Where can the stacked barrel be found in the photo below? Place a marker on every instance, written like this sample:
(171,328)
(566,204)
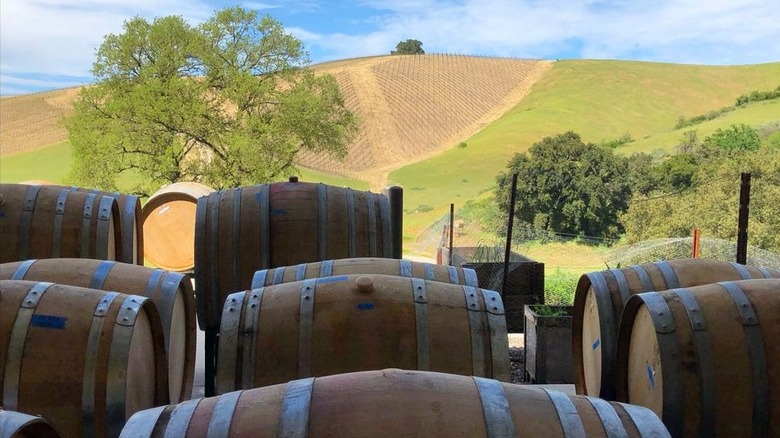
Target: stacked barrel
(87,336)
(696,341)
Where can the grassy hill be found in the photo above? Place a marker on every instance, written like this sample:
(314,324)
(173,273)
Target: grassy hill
(444,126)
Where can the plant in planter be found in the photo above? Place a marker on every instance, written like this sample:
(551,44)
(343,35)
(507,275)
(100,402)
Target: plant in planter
(548,355)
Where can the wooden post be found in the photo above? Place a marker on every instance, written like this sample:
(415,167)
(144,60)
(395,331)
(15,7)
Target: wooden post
(396,196)
(508,249)
(452,221)
(210,368)
(744,214)
(696,242)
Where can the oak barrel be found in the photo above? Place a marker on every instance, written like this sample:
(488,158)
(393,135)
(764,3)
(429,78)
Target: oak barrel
(18,425)
(341,324)
(168,219)
(84,359)
(599,301)
(397,403)
(365,265)
(171,293)
(706,359)
(50,222)
(240,231)
(131,245)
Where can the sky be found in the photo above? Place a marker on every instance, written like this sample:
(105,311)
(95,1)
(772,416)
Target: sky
(50,44)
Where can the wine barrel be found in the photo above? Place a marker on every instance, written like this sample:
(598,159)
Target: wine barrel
(706,359)
(84,359)
(362,322)
(170,292)
(18,425)
(396,403)
(50,222)
(131,245)
(599,301)
(240,231)
(365,265)
(168,219)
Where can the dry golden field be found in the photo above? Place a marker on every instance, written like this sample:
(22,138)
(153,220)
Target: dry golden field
(410,108)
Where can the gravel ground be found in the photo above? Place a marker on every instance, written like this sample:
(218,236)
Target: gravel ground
(517,364)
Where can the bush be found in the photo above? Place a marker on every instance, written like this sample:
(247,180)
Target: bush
(559,288)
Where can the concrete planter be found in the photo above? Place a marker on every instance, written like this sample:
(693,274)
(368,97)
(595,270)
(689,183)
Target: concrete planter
(548,352)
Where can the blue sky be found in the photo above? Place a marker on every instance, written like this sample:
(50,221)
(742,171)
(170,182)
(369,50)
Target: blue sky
(47,44)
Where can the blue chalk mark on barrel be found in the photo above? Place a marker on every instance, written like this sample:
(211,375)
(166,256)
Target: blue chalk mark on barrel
(278,212)
(597,343)
(322,280)
(48,321)
(365,306)
(651,376)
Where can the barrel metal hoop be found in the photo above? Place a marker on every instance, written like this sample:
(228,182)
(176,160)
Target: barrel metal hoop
(222,416)
(470,277)
(420,297)
(300,272)
(201,287)
(670,277)
(765,272)
(142,423)
(609,418)
(665,328)
(497,330)
(352,223)
(567,414)
(116,383)
(453,272)
(229,339)
(405,268)
(296,405)
(306,325)
(99,277)
(646,421)
(755,343)
(25,222)
(622,282)
(88,391)
(326,268)
(495,408)
(474,311)
(387,238)
(322,221)
(742,270)
(86,226)
(644,278)
(16,344)
(166,301)
(214,291)
(371,224)
(21,270)
(251,332)
(258,280)
(236,239)
(430,272)
(705,359)
(180,419)
(104,218)
(608,326)
(264,199)
(129,227)
(59,215)
(279,275)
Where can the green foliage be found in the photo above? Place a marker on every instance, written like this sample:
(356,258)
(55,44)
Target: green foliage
(227,103)
(757,96)
(675,173)
(408,47)
(550,310)
(463,145)
(753,96)
(735,138)
(559,288)
(616,143)
(567,186)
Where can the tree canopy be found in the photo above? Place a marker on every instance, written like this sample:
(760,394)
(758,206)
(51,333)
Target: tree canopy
(567,186)
(408,47)
(228,102)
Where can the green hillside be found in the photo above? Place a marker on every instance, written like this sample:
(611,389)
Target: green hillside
(601,100)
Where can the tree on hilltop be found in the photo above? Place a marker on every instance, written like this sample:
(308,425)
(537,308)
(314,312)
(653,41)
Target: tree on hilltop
(227,103)
(567,186)
(408,47)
